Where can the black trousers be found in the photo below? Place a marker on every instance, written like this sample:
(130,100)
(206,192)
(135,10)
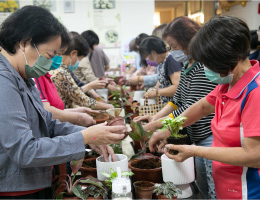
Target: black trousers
(43,194)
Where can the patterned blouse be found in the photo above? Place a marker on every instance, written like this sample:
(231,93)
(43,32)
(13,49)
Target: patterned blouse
(71,95)
(84,71)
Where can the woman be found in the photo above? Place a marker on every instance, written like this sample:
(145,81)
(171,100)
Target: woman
(193,86)
(71,94)
(154,49)
(235,127)
(98,59)
(31,141)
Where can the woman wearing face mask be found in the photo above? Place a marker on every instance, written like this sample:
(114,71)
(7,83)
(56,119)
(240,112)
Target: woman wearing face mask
(31,141)
(235,127)
(193,86)
(154,49)
(53,103)
(71,94)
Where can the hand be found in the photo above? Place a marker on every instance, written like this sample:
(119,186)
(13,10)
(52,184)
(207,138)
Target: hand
(122,81)
(158,140)
(185,151)
(103,135)
(153,126)
(85,120)
(84,110)
(97,84)
(143,118)
(151,94)
(133,80)
(105,151)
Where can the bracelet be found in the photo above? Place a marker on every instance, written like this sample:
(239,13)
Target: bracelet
(138,79)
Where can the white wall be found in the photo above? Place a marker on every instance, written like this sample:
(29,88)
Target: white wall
(248,13)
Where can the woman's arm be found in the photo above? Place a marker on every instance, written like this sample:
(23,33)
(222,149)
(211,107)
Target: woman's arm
(247,156)
(81,119)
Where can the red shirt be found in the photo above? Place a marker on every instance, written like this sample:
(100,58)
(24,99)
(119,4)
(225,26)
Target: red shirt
(48,91)
(229,127)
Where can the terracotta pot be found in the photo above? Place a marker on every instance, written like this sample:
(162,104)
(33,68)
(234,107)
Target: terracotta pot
(152,175)
(89,171)
(104,117)
(118,121)
(143,189)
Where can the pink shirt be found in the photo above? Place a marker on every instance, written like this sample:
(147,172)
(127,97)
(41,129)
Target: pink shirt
(48,91)
(229,128)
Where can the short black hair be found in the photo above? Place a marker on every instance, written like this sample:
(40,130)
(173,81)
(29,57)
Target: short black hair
(31,23)
(91,37)
(140,38)
(152,43)
(221,43)
(79,44)
(182,29)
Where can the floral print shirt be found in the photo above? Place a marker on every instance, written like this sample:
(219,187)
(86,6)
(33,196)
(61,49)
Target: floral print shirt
(71,95)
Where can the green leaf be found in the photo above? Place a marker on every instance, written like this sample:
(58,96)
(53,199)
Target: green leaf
(60,195)
(134,136)
(77,191)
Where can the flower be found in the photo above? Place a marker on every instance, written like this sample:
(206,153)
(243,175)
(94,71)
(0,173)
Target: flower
(103,6)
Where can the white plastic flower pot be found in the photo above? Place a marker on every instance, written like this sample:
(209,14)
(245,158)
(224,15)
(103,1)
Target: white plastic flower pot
(138,95)
(103,93)
(178,172)
(150,101)
(102,166)
(186,191)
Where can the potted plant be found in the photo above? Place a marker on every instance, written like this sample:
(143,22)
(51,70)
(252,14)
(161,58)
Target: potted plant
(167,190)
(72,186)
(93,189)
(113,175)
(143,189)
(174,125)
(102,166)
(144,165)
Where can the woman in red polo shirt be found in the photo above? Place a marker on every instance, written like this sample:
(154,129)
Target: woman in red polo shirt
(223,45)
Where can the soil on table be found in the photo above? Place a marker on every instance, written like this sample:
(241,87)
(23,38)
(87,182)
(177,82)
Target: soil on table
(89,164)
(152,163)
(143,184)
(176,141)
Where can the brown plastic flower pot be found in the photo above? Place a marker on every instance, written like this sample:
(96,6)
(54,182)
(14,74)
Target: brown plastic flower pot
(144,189)
(118,121)
(100,117)
(152,175)
(88,171)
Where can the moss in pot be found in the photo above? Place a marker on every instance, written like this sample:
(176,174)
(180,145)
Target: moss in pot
(174,125)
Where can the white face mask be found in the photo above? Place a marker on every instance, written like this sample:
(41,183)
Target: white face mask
(179,55)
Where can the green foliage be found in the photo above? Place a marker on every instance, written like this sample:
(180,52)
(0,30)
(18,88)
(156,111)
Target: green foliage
(113,175)
(174,125)
(139,134)
(167,189)
(94,188)
(117,148)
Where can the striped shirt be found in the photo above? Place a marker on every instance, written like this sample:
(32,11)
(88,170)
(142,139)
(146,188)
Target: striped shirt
(193,86)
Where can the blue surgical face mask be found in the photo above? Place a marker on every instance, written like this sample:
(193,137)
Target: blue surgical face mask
(179,55)
(56,62)
(73,67)
(216,78)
